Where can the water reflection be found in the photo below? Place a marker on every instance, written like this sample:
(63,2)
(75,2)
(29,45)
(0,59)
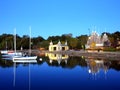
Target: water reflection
(60,60)
(57,57)
(29,72)
(97,66)
(46,71)
(94,66)
(65,61)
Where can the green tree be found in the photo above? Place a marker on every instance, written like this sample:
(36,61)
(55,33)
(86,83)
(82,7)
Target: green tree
(73,42)
(44,44)
(36,41)
(25,42)
(54,38)
(82,40)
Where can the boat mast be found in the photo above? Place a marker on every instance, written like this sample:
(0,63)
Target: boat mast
(6,45)
(30,42)
(15,40)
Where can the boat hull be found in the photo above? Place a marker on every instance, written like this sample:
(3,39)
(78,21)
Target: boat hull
(25,59)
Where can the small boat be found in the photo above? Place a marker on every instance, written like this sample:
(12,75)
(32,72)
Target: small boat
(11,53)
(25,59)
(8,55)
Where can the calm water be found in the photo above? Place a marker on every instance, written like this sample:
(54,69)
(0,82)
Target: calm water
(60,72)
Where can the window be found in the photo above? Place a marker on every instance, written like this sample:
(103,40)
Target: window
(54,48)
(63,48)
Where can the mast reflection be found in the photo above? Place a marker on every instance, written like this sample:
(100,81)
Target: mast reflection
(29,70)
(94,66)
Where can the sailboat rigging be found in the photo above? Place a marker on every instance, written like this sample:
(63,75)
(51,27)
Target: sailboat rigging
(26,58)
(10,54)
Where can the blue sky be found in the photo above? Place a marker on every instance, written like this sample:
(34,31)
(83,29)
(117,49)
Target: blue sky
(57,17)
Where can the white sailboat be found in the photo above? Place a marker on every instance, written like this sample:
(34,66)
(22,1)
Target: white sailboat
(9,54)
(26,58)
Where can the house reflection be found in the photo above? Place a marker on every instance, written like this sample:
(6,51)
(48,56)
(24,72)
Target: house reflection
(57,57)
(95,66)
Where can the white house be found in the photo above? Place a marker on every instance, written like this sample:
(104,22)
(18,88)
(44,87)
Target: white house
(58,46)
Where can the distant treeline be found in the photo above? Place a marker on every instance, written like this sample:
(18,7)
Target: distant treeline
(78,42)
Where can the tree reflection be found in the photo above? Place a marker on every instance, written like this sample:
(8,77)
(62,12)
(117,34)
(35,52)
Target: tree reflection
(115,65)
(6,63)
(65,61)
(60,60)
(94,65)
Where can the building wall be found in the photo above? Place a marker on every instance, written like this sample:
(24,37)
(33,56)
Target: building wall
(95,41)
(58,47)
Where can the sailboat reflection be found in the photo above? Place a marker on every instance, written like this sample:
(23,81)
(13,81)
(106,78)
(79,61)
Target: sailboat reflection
(14,73)
(29,71)
(57,57)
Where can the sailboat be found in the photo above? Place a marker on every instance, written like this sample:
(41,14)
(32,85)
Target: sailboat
(26,58)
(9,54)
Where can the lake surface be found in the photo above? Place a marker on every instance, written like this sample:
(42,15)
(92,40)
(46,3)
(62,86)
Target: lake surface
(60,72)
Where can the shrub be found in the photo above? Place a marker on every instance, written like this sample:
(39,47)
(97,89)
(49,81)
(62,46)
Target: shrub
(109,49)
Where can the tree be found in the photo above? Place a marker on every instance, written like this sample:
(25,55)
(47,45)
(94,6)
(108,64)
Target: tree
(36,41)
(54,38)
(25,42)
(73,43)
(44,44)
(82,40)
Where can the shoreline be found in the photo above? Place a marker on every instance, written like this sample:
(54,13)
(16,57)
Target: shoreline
(85,54)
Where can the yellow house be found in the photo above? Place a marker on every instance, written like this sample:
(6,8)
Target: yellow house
(57,57)
(58,46)
(53,56)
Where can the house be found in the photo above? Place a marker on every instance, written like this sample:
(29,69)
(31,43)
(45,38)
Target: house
(58,47)
(96,42)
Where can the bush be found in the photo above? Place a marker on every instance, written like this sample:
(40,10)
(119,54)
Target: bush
(109,49)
